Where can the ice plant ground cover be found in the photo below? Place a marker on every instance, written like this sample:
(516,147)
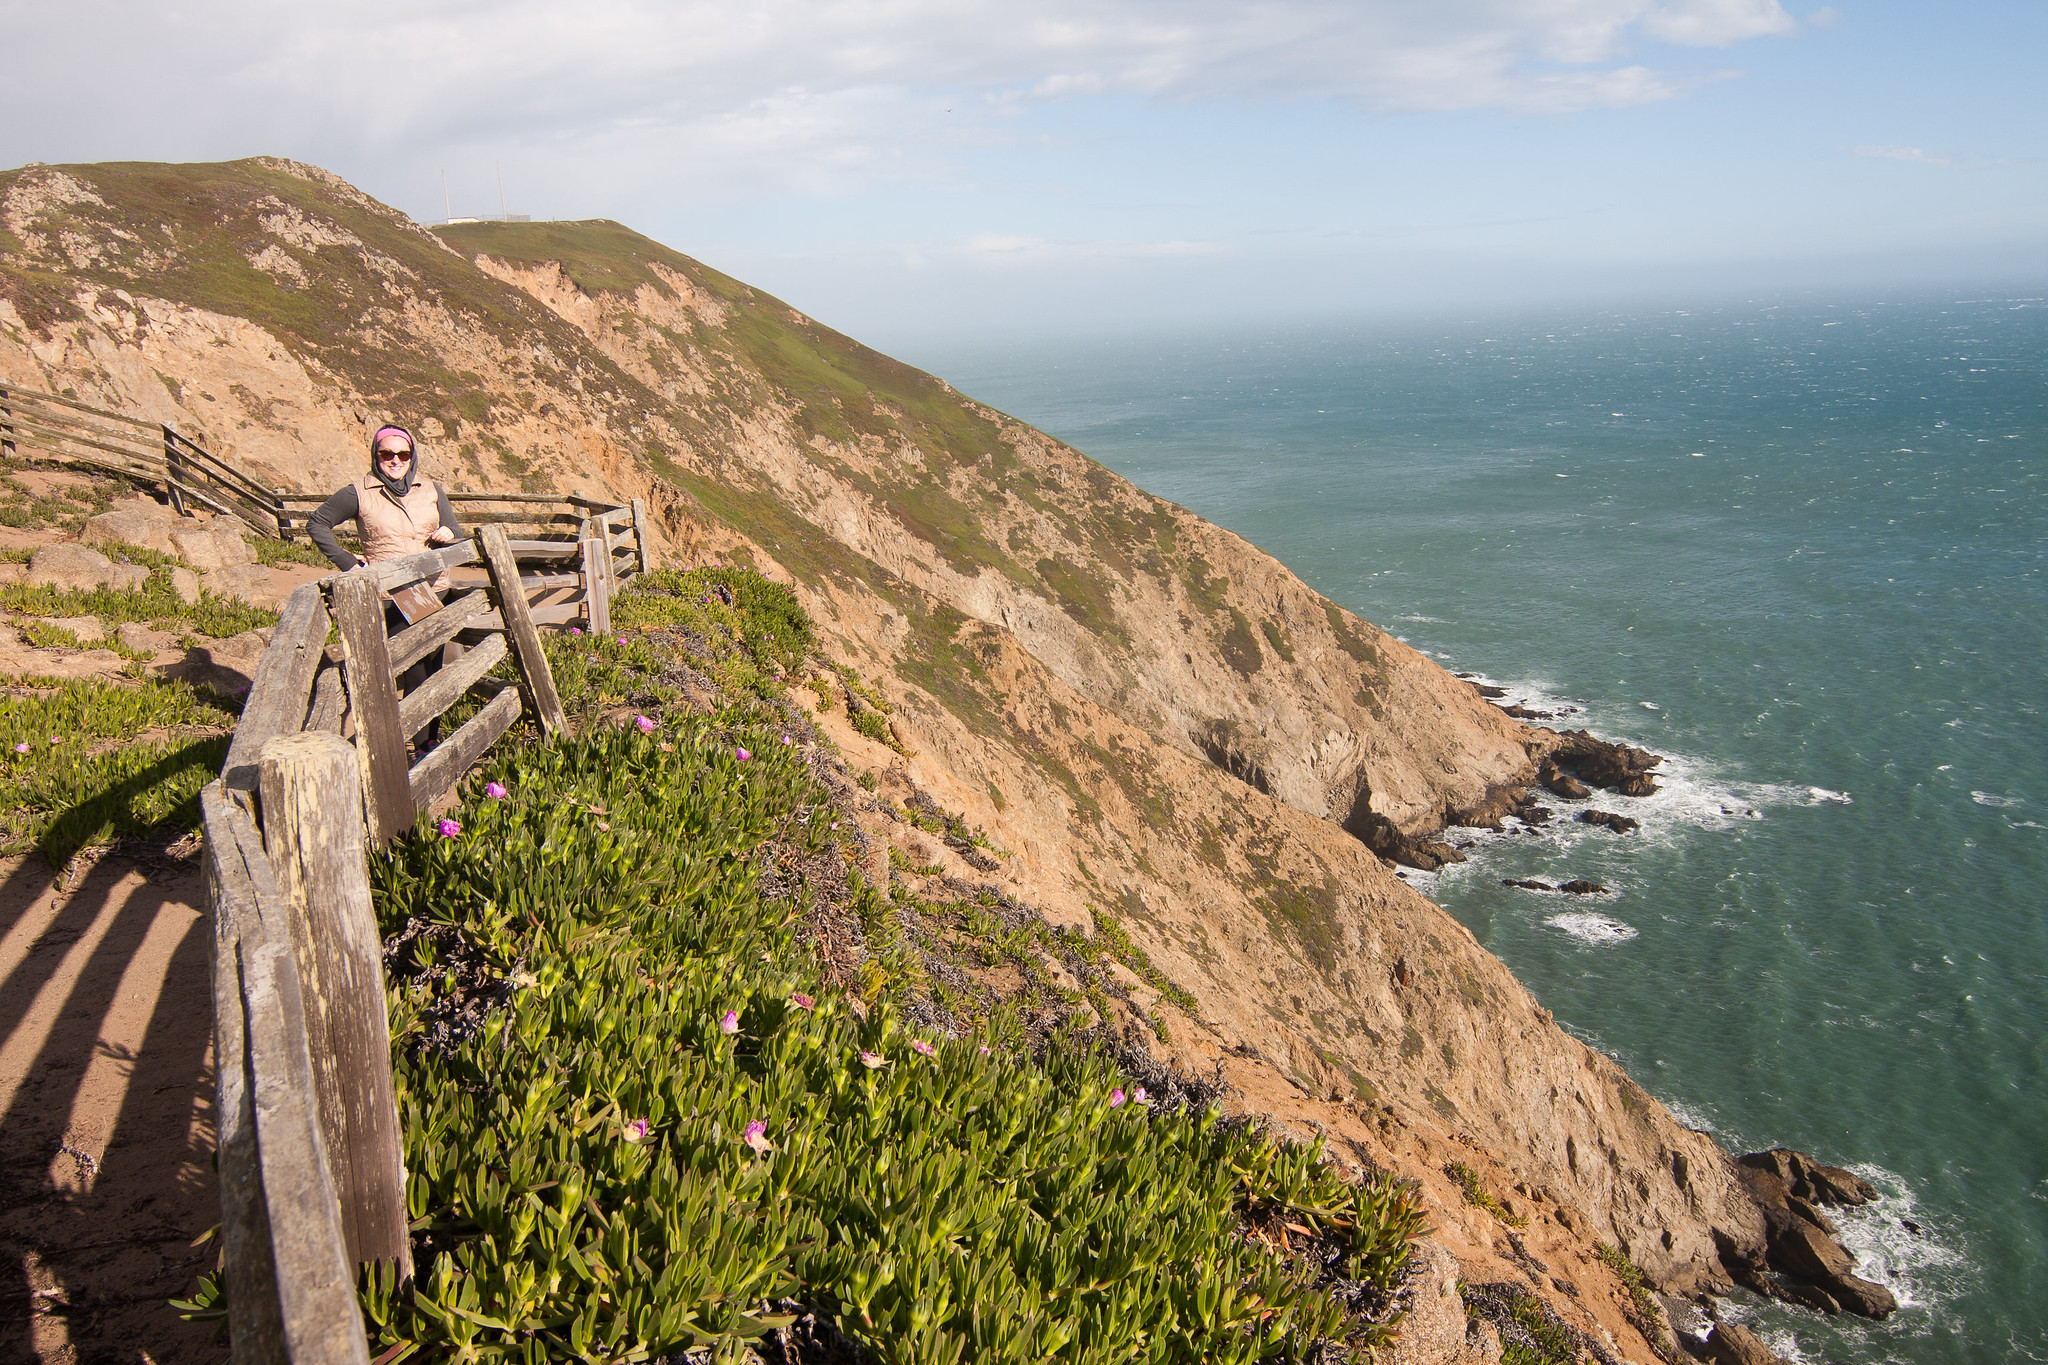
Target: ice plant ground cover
(87,762)
(638,1118)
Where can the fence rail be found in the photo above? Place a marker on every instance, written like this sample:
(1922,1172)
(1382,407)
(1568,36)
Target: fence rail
(310,1153)
(159,456)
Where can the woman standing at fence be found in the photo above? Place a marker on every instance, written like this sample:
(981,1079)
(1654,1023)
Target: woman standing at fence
(399,513)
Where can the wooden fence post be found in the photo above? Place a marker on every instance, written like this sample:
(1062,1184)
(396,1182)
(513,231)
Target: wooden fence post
(373,699)
(639,535)
(174,472)
(313,832)
(6,426)
(597,588)
(519,628)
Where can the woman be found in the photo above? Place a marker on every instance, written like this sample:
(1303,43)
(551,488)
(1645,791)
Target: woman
(399,513)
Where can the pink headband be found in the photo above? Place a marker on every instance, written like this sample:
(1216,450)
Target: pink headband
(382,432)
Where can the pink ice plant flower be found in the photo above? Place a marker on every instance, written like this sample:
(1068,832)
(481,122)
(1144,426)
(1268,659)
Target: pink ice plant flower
(645,725)
(622,639)
(871,1060)
(575,630)
(802,1001)
(22,747)
(729,1022)
(787,740)
(742,755)
(1116,1097)
(756,1137)
(634,1131)
(1138,1095)
(921,1047)
(496,791)
(449,829)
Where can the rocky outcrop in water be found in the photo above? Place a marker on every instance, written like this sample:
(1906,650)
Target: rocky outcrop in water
(1620,824)
(1802,1261)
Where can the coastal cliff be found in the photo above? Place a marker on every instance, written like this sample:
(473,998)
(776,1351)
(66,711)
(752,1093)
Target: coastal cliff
(1155,720)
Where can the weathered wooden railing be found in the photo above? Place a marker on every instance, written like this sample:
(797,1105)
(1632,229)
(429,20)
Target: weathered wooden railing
(310,1148)
(154,454)
(158,455)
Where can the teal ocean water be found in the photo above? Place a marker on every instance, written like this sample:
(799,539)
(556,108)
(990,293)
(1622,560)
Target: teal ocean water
(1798,547)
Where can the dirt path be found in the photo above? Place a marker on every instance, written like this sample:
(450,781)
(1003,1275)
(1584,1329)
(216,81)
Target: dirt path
(106,1123)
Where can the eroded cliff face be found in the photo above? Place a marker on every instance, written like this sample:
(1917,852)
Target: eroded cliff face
(1153,716)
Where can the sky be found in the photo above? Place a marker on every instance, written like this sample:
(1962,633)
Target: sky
(911,168)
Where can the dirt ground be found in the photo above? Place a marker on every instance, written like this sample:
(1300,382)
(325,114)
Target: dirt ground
(106,1113)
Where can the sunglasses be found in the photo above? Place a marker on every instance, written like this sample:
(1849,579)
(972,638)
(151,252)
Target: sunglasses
(400,455)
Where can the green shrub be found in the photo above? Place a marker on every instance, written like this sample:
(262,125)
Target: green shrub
(636,1116)
(1477,1196)
(156,602)
(71,793)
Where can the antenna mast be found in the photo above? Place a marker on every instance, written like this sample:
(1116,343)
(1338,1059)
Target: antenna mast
(446,202)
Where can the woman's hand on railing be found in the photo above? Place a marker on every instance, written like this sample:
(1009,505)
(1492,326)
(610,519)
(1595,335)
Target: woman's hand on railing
(441,536)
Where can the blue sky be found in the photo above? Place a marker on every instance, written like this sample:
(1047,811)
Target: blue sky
(902,168)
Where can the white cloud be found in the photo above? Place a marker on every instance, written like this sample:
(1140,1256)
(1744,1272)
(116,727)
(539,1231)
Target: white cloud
(1913,154)
(1716,23)
(829,91)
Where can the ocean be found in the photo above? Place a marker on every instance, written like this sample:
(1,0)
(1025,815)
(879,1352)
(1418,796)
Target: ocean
(1796,545)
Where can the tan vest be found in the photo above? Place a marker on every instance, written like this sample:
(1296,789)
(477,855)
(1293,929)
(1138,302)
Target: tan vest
(394,528)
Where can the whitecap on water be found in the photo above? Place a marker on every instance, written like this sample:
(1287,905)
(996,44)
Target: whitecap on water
(1821,795)
(1591,928)
(1993,799)
(1889,1252)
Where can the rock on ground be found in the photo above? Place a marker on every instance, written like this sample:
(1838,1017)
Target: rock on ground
(79,568)
(87,628)
(249,582)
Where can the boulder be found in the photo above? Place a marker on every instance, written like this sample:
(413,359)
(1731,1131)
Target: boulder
(1862,1297)
(1807,1296)
(1527,884)
(1804,1250)
(149,527)
(1833,1185)
(1638,784)
(1431,856)
(1732,1344)
(1579,886)
(250,582)
(187,584)
(1535,815)
(216,545)
(1564,784)
(140,639)
(1496,806)
(227,666)
(1521,712)
(1811,1213)
(79,568)
(1601,763)
(1809,1179)
(1620,824)
(1487,689)
(87,628)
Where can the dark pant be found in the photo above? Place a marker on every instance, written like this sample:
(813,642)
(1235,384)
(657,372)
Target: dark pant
(412,678)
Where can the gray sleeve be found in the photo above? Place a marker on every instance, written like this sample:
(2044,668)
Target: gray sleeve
(337,509)
(447,512)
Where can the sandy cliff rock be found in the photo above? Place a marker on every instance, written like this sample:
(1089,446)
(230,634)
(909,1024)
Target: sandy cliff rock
(1153,716)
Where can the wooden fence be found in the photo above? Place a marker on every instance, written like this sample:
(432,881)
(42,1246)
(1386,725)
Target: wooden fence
(154,454)
(310,1147)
